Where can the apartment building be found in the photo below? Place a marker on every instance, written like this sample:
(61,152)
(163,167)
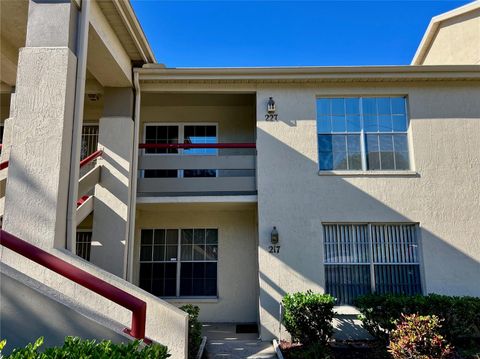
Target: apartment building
(229,187)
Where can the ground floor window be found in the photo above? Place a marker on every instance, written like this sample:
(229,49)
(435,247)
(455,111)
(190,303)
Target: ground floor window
(366,258)
(84,244)
(179,262)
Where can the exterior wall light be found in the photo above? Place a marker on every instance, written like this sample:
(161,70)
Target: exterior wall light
(271,105)
(274,236)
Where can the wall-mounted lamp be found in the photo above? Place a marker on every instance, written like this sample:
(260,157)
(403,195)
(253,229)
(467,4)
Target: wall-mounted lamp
(274,236)
(271,105)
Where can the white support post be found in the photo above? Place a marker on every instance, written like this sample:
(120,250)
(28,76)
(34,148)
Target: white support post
(39,163)
(113,193)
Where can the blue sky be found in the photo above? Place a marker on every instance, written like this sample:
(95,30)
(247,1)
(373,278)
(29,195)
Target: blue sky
(286,33)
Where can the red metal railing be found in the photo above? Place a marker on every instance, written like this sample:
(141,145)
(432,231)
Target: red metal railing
(196,145)
(90,158)
(83,162)
(83,278)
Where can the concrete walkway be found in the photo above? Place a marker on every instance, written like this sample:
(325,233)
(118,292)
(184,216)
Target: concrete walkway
(224,342)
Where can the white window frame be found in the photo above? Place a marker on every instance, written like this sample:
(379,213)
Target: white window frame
(363,134)
(181,139)
(179,260)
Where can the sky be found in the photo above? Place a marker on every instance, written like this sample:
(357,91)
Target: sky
(286,33)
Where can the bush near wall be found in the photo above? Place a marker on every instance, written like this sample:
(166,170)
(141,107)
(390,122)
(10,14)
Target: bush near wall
(308,317)
(194,329)
(460,315)
(75,348)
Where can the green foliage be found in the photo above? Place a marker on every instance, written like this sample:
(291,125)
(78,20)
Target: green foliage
(312,351)
(76,348)
(461,315)
(417,336)
(308,317)
(194,329)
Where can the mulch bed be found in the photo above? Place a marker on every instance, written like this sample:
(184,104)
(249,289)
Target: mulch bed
(343,350)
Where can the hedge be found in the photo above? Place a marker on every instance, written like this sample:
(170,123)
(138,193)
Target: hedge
(194,329)
(74,348)
(461,315)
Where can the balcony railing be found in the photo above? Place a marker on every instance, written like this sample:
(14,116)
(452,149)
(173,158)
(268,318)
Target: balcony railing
(173,174)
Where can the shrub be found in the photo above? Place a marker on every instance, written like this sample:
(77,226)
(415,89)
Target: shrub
(417,336)
(312,351)
(461,315)
(75,347)
(194,329)
(308,317)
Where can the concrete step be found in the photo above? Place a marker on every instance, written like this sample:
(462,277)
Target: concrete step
(224,342)
(237,349)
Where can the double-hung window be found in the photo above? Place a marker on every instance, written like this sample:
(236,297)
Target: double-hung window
(185,134)
(179,262)
(371,258)
(362,133)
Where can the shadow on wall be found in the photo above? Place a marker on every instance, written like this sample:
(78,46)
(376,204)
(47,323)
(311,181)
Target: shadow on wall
(17,200)
(293,197)
(28,314)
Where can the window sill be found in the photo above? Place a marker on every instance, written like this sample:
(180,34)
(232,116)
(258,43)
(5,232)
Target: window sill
(192,300)
(346,310)
(370,173)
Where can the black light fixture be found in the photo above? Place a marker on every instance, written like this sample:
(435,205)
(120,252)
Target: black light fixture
(271,105)
(274,236)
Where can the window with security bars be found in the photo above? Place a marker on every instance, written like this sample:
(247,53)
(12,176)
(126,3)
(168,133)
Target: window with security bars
(179,262)
(362,133)
(371,258)
(84,244)
(88,146)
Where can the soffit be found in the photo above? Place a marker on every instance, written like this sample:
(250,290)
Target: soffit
(115,21)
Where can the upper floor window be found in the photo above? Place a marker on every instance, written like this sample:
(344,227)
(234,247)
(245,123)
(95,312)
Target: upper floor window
(181,133)
(362,133)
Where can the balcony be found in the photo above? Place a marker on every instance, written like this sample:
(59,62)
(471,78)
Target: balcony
(223,169)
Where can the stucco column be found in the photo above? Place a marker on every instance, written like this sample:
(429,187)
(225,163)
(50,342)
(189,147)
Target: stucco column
(39,163)
(112,195)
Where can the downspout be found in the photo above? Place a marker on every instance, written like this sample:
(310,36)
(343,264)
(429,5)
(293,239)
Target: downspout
(82,49)
(134,177)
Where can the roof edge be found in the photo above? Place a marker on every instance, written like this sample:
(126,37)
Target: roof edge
(125,9)
(432,28)
(330,73)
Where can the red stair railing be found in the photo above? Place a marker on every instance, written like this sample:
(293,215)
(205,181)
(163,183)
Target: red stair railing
(90,158)
(83,162)
(83,278)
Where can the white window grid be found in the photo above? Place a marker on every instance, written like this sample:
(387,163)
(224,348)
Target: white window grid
(362,133)
(178,259)
(181,139)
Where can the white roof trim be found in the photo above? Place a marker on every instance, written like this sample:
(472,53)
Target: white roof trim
(433,27)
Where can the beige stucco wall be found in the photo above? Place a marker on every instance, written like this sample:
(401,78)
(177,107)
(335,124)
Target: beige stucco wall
(236,121)
(237,248)
(456,41)
(444,197)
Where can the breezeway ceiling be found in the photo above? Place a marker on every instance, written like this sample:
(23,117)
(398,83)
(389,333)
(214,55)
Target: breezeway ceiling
(13,25)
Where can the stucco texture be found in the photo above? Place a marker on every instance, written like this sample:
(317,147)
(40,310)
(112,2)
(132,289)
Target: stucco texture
(443,196)
(237,259)
(456,41)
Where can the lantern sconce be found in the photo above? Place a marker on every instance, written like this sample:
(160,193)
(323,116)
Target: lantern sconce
(271,105)
(274,236)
